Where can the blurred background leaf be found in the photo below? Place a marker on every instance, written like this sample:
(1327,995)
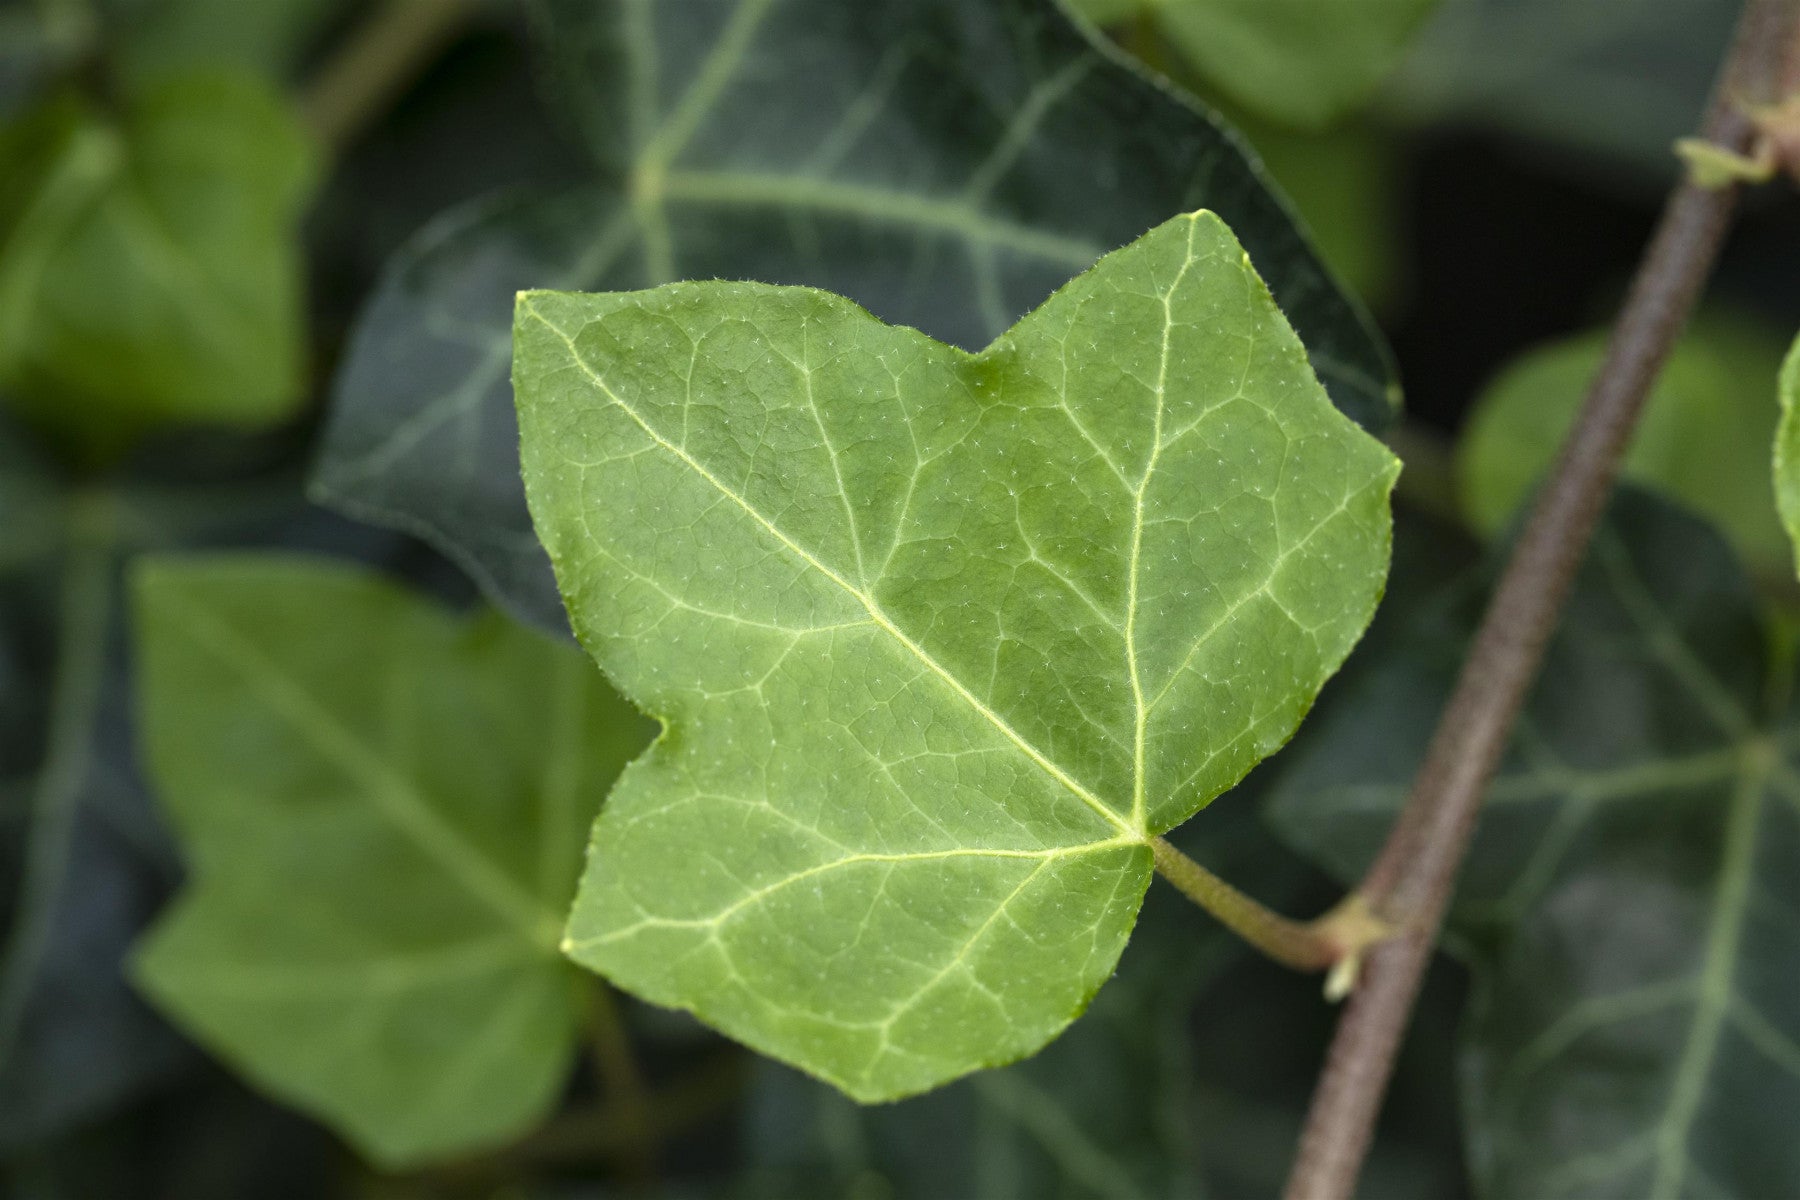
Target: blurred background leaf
(1304,64)
(385,833)
(946,165)
(1610,81)
(1703,440)
(1631,896)
(149,267)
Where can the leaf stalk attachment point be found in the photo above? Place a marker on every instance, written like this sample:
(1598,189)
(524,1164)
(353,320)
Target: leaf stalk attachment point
(1334,942)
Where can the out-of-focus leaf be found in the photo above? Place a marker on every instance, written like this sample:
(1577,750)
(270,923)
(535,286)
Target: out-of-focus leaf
(1703,440)
(82,859)
(1344,183)
(154,37)
(148,266)
(83,855)
(383,807)
(1610,78)
(945,164)
(1787,447)
(942,640)
(1632,894)
(1304,63)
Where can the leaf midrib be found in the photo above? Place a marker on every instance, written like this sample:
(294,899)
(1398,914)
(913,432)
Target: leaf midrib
(876,613)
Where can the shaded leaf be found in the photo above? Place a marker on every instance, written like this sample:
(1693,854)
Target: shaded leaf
(1632,892)
(148,266)
(1703,439)
(945,164)
(383,807)
(269,37)
(1615,79)
(82,860)
(942,640)
(1303,63)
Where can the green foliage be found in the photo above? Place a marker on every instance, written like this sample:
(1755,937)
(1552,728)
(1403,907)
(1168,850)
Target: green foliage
(383,806)
(1703,438)
(1787,447)
(1303,63)
(946,165)
(941,640)
(1631,896)
(148,266)
(1614,81)
(73,894)
(267,37)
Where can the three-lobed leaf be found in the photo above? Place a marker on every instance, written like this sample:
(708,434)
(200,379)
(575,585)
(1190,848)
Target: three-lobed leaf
(149,268)
(1630,898)
(945,164)
(383,806)
(941,640)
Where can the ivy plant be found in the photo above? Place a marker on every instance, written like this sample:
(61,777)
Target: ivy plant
(1031,607)
(617,597)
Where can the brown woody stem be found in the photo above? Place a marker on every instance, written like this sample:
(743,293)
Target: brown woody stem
(1411,881)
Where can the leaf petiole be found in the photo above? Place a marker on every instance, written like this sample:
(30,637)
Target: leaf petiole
(1334,942)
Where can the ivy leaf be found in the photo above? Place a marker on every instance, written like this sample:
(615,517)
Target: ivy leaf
(1298,62)
(383,806)
(1631,896)
(947,165)
(1787,447)
(1703,439)
(1188,1078)
(148,266)
(942,641)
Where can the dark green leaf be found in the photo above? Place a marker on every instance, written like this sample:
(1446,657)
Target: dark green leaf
(942,640)
(1300,62)
(1613,78)
(945,164)
(148,266)
(384,807)
(1632,895)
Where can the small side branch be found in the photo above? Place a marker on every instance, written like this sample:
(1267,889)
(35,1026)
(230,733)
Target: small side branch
(1411,881)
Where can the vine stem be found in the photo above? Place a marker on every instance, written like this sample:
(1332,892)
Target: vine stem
(376,63)
(1411,880)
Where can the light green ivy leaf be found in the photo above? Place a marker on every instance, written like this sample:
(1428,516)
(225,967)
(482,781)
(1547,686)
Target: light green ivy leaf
(383,806)
(945,164)
(941,640)
(1631,897)
(1703,439)
(1303,63)
(1787,447)
(149,271)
